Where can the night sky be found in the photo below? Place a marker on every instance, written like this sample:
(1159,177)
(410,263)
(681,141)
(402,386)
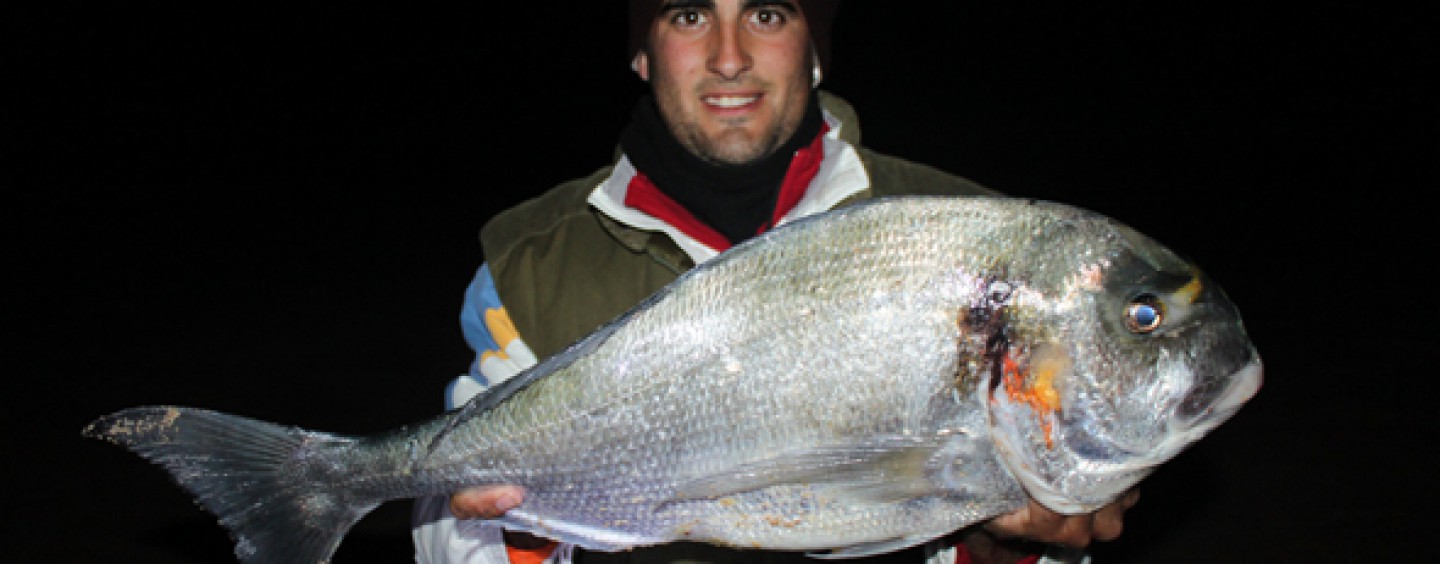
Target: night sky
(274,213)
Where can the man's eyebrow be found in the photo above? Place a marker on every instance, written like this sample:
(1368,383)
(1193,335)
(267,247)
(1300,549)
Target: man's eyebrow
(787,5)
(686,4)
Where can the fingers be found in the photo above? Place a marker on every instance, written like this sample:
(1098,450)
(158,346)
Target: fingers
(487,502)
(1069,530)
(1130,498)
(1038,523)
(1110,520)
(1010,524)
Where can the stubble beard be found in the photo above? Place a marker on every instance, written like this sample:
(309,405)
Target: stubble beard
(738,151)
(732,145)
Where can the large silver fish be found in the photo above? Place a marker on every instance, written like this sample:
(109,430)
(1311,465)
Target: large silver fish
(849,384)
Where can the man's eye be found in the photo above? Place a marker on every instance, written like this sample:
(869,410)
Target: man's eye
(687,18)
(767,18)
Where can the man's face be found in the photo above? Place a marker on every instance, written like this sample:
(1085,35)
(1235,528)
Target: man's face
(731,77)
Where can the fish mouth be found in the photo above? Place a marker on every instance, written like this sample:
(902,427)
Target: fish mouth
(1244,384)
(1183,430)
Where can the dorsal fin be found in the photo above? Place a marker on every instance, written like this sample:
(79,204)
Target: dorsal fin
(495,395)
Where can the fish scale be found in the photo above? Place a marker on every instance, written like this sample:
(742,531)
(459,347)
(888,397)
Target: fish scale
(831,386)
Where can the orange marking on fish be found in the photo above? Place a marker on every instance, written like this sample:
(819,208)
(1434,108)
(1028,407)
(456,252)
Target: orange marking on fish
(1038,391)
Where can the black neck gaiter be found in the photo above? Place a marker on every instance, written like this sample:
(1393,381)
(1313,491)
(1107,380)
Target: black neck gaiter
(736,200)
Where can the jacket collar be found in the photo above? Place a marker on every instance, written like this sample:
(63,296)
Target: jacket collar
(841,176)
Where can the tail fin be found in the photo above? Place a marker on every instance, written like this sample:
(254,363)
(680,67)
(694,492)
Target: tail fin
(274,487)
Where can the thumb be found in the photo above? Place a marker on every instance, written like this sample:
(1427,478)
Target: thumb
(487,502)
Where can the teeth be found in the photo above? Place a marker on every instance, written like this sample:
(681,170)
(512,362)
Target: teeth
(730,101)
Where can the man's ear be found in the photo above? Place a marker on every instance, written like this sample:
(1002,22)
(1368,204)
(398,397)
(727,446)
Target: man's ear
(641,65)
(816,73)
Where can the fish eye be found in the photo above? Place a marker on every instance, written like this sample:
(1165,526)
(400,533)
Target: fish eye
(1144,314)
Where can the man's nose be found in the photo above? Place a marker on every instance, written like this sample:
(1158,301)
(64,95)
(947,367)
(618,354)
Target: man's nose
(730,56)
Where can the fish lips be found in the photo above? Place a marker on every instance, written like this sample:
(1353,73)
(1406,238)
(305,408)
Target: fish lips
(1243,385)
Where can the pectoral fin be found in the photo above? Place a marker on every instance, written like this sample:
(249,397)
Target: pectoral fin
(893,469)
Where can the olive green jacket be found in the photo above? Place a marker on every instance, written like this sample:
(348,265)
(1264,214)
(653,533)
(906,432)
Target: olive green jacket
(562,268)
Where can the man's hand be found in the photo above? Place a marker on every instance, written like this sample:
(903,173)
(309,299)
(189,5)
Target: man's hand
(486,502)
(490,502)
(1038,523)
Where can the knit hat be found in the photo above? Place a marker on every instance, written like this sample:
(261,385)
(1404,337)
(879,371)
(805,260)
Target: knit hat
(819,14)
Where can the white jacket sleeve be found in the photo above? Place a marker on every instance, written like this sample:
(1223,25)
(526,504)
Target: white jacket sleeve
(438,536)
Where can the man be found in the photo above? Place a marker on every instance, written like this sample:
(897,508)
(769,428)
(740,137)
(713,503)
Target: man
(734,140)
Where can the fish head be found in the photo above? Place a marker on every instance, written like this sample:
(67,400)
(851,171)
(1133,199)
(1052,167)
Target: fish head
(1114,370)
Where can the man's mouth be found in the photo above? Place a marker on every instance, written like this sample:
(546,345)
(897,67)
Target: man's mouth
(730,101)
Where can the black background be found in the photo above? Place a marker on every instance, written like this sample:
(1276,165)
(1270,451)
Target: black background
(272,211)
